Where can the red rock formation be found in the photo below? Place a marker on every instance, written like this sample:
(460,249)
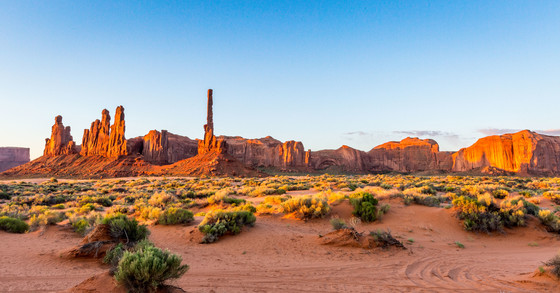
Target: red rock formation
(409,155)
(117,142)
(12,157)
(343,159)
(210,143)
(105,140)
(521,152)
(166,148)
(267,152)
(61,141)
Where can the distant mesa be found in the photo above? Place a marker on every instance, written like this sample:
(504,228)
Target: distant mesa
(11,157)
(105,152)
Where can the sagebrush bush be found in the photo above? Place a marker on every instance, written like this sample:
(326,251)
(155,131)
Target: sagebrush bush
(174,216)
(124,229)
(485,216)
(147,268)
(555,264)
(307,207)
(365,207)
(217,223)
(13,225)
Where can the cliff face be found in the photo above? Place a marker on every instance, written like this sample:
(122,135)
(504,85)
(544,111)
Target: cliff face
(61,141)
(105,140)
(12,157)
(344,158)
(521,152)
(167,148)
(409,155)
(267,152)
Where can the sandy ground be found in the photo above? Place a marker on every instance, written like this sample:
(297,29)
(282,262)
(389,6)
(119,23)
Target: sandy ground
(285,255)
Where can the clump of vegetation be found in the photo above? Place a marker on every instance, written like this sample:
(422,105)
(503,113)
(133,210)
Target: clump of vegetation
(338,224)
(365,207)
(384,239)
(146,268)
(13,225)
(549,220)
(307,207)
(175,216)
(500,193)
(554,263)
(219,222)
(122,228)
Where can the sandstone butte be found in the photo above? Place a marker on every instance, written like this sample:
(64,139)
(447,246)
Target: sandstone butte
(105,152)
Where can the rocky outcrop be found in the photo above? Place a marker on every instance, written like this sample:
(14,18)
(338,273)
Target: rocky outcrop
(267,152)
(522,152)
(102,139)
(12,157)
(409,155)
(167,148)
(210,143)
(345,159)
(61,141)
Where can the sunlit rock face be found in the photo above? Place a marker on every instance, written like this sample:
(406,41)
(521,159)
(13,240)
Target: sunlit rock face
(12,157)
(521,152)
(266,152)
(409,155)
(102,139)
(61,141)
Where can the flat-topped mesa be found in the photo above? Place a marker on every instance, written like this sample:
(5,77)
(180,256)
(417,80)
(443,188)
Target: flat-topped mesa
(522,152)
(61,141)
(102,139)
(210,143)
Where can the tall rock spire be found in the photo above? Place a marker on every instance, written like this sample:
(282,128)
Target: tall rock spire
(61,142)
(210,143)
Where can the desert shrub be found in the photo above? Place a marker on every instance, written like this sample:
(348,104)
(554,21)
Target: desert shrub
(307,207)
(484,216)
(549,220)
(44,219)
(114,255)
(365,207)
(554,197)
(123,228)
(13,225)
(5,195)
(264,190)
(174,216)
(219,222)
(223,198)
(555,264)
(384,239)
(333,197)
(147,212)
(500,193)
(147,268)
(526,193)
(161,199)
(338,223)
(80,226)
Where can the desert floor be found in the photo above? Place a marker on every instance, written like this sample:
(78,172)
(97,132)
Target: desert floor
(280,254)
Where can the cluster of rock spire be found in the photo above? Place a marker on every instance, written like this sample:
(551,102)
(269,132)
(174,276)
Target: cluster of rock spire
(525,151)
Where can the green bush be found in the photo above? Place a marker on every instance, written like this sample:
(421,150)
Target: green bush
(219,222)
(365,207)
(487,216)
(174,216)
(307,207)
(147,268)
(500,193)
(13,225)
(81,226)
(123,228)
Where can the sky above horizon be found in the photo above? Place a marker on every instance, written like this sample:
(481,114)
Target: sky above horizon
(327,73)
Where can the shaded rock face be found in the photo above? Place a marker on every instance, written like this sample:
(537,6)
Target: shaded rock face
(521,152)
(344,158)
(61,141)
(166,148)
(102,139)
(12,157)
(210,143)
(266,152)
(409,155)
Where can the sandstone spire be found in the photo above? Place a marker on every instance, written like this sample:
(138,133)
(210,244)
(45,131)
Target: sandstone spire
(117,141)
(102,139)
(210,143)
(61,142)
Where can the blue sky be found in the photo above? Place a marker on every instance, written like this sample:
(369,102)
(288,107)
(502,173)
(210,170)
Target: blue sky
(326,73)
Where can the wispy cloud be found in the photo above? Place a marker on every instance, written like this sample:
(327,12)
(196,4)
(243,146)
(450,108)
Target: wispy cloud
(358,133)
(500,131)
(497,131)
(426,133)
